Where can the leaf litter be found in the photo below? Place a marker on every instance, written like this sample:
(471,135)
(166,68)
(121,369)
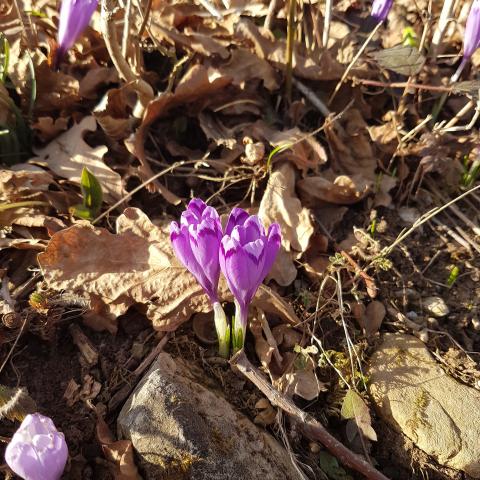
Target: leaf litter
(219,126)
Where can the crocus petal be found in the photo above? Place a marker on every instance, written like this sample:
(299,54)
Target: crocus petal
(197,206)
(180,239)
(75,16)
(273,243)
(471,39)
(381,9)
(237,216)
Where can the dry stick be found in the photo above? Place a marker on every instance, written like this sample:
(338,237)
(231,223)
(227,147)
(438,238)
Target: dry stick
(323,109)
(290,42)
(136,189)
(145,91)
(126,28)
(326,22)
(419,86)
(311,428)
(443,21)
(354,61)
(272,10)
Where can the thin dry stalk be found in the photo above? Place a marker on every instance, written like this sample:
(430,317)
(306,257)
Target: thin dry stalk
(290,43)
(311,428)
(326,22)
(443,21)
(272,10)
(354,61)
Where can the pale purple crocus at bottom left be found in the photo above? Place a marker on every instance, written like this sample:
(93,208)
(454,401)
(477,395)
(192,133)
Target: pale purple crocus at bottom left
(37,451)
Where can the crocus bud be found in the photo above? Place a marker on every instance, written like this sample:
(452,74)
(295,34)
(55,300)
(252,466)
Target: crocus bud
(471,39)
(196,243)
(247,254)
(37,451)
(381,9)
(75,15)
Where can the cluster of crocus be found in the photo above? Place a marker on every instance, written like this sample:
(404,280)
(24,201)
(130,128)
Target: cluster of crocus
(381,9)
(75,16)
(37,451)
(244,253)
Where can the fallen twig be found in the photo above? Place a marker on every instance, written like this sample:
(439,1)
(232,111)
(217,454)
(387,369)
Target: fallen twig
(310,427)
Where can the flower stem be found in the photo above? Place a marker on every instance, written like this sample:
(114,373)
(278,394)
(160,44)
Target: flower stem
(239,329)
(223,330)
(454,78)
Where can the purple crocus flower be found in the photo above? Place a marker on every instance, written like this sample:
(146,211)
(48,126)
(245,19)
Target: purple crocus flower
(381,9)
(37,451)
(471,40)
(75,15)
(247,254)
(196,242)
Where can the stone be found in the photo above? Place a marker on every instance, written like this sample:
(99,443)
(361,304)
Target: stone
(415,396)
(182,428)
(436,306)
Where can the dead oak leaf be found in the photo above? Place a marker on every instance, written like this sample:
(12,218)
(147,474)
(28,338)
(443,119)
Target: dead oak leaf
(69,153)
(135,266)
(280,204)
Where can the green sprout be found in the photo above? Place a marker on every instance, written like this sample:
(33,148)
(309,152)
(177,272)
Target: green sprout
(92,197)
(452,277)
(409,37)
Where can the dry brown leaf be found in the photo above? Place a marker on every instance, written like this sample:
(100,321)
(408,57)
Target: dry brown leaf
(351,146)
(113,113)
(47,128)
(316,261)
(69,153)
(89,260)
(302,382)
(306,153)
(21,184)
(118,452)
(244,66)
(370,318)
(96,78)
(280,204)
(198,83)
(339,190)
(267,415)
(274,50)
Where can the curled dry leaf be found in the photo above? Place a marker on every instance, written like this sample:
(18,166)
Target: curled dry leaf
(305,152)
(274,50)
(351,146)
(135,266)
(267,415)
(118,452)
(280,204)
(68,154)
(47,128)
(20,184)
(355,408)
(370,318)
(198,83)
(341,190)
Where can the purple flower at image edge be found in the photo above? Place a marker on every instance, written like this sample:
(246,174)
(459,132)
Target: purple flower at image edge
(471,39)
(381,9)
(196,243)
(37,451)
(247,254)
(75,16)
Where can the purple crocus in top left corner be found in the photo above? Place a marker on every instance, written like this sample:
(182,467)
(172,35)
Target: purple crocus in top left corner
(75,16)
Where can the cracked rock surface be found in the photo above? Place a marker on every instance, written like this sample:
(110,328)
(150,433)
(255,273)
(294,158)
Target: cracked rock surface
(183,430)
(415,396)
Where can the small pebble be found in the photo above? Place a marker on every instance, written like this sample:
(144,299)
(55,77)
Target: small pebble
(412,315)
(432,322)
(314,447)
(436,306)
(476,323)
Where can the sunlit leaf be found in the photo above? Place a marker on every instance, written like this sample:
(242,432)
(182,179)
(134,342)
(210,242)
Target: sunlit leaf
(405,60)
(354,407)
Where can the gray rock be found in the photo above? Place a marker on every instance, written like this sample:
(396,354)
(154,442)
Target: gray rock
(182,430)
(414,395)
(436,306)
